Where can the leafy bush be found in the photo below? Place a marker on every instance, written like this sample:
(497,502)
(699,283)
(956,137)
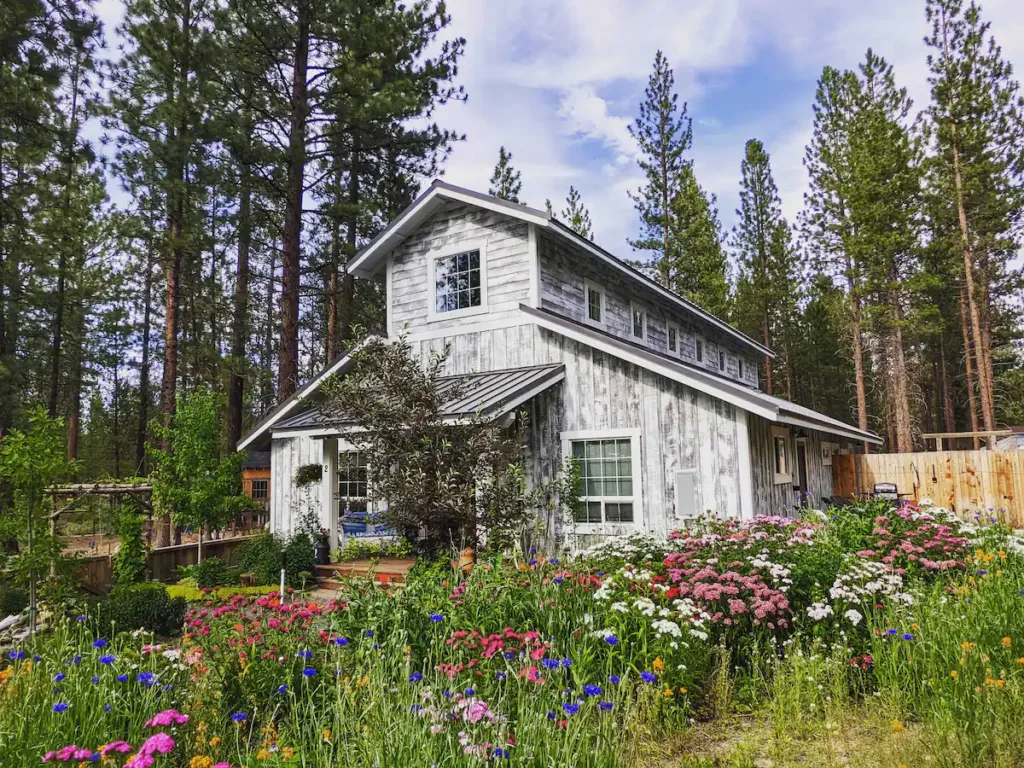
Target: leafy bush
(143,606)
(299,559)
(129,563)
(194,594)
(262,558)
(361,549)
(12,600)
(211,572)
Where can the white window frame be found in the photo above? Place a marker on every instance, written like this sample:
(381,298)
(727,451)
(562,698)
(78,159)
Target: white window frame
(454,249)
(669,328)
(636,445)
(588,286)
(700,349)
(781,478)
(739,368)
(721,360)
(633,308)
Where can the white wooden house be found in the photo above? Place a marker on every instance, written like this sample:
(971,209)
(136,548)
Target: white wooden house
(659,398)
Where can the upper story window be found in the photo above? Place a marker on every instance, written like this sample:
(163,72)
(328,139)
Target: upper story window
(739,366)
(259,490)
(673,339)
(457,282)
(595,298)
(639,321)
(699,347)
(721,360)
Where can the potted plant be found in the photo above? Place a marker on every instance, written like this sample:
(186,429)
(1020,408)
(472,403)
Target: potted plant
(322,546)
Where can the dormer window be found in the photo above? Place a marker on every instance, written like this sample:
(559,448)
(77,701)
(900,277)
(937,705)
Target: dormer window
(673,339)
(594,294)
(458,280)
(739,366)
(639,321)
(700,350)
(721,360)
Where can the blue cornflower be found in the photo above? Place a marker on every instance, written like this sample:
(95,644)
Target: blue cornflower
(559,580)
(592,690)
(533,561)
(107,707)
(982,572)
(509,655)
(59,677)
(447,694)
(342,641)
(305,654)
(614,679)
(16,655)
(500,753)
(969,600)
(648,677)
(77,659)
(83,617)
(415,677)
(60,706)
(612,640)
(570,708)
(376,647)
(566,662)
(239,717)
(95,679)
(907,636)
(551,715)
(890,631)
(470,692)
(108,659)
(436,617)
(550,663)
(122,678)
(416,707)
(553,561)
(501,675)
(37,658)
(282,689)
(146,678)
(99,643)
(167,688)
(368,633)
(533,550)
(605,706)
(309,672)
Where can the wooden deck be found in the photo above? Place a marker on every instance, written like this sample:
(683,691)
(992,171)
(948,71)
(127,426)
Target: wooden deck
(386,570)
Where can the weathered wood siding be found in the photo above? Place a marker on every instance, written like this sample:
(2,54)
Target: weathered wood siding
(287,501)
(507,257)
(964,481)
(781,499)
(563,272)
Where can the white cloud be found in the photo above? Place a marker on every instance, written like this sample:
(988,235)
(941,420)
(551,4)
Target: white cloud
(585,115)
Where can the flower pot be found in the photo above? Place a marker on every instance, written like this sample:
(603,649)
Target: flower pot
(322,553)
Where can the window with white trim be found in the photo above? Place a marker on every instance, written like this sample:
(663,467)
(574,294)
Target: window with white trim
(458,281)
(638,321)
(595,300)
(673,339)
(352,481)
(699,347)
(739,366)
(721,360)
(781,456)
(608,483)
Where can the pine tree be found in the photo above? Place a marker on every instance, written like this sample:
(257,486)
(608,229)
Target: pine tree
(576,215)
(756,239)
(976,120)
(821,354)
(505,181)
(663,133)
(701,273)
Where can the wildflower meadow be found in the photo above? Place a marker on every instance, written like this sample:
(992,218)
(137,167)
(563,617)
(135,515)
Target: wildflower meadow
(796,632)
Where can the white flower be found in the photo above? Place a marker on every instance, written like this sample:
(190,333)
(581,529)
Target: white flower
(819,611)
(666,627)
(854,616)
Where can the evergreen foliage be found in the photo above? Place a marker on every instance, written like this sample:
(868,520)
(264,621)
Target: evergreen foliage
(505,180)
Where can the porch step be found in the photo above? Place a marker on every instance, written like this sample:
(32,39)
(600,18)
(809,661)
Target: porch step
(388,570)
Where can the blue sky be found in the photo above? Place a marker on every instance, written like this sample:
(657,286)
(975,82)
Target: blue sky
(557,82)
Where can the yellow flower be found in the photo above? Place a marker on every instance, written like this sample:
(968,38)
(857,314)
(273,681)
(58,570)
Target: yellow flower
(287,753)
(263,754)
(1020,660)
(327,734)
(682,690)
(658,665)
(914,626)
(967,647)
(215,741)
(667,693)
(897,726)
(902,765)
(1006,642)
(954,674)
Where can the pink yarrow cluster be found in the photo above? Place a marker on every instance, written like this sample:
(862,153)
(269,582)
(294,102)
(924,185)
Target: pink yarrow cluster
(727,595)
(166,718)
(925,542)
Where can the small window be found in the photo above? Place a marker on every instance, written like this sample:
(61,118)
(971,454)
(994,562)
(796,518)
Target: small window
(457,282)
(721,360)
(259,490)
(781,456)
(608,489)
(639,323)
(595,302)
(352,481)
(739,367)
(700,351)
(673,338)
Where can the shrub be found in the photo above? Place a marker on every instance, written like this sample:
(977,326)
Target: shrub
(194,594)
(211,572)
(298,559)
(12,600)
(129,563)
(143,606)
(262,558)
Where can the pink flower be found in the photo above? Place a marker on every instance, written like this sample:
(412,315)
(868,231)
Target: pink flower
(167,717)
(115,746)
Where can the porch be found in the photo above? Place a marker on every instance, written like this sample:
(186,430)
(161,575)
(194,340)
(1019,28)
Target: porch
(384,570)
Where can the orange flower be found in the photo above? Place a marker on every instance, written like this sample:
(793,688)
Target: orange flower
(1006,642)
(897,726)
(658,665)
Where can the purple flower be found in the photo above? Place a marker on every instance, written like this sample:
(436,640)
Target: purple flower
(83,617)
(614,679)
(982,572)
(305,654)
(553,561)
(612,640)
(368,633)
(550,663)
(605,706)
(239,717)
(415,707)
(551,715)
(559,579)
(282,689)
(890,631)
(99,643)
(59,677)
(95,679)
(907,636)
(509,655)
(471,692)
(107,707)
(648,677)
(566,662)
(501,753)
(122,678)
(500,675)
(533,561)
(309,672)
(342,641)
(60,706)
(570,708)
(146,678)
(592,690)
(415,677)
(108,659)
(436,617)
(77,659)
(19,655)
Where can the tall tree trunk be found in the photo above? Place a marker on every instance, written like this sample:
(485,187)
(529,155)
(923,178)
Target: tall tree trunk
(969,368)
(898,393)
(147,312)
(240,322)
(268,337)
(115,407)
(858,352)
(947,398)
(288,353)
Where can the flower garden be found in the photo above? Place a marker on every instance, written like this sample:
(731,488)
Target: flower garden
(774,638)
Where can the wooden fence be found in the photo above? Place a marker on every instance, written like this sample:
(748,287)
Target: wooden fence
(161,564)
(964,481)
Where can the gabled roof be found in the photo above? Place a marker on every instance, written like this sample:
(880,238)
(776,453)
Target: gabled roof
(490,394)
(369,262)
(303,393)
(742,396)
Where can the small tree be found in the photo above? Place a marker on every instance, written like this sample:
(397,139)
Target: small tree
(30,462)
(451,480)
(200,488)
